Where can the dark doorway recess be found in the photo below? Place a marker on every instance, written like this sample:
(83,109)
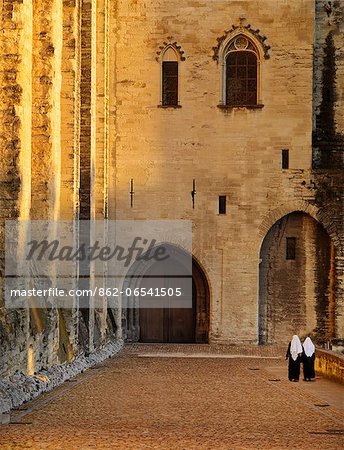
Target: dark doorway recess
(170,324)
(296,281)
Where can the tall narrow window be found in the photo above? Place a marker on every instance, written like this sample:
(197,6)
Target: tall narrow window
(285,159)
(170,75)
(241,74)
(222,204)
(170,83)
(291,248)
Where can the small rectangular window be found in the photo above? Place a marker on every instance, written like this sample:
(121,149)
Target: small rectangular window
(291,248)
(170,83)
(222,204)
(285,159)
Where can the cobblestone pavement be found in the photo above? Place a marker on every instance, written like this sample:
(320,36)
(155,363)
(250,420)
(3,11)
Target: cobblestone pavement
(150,397)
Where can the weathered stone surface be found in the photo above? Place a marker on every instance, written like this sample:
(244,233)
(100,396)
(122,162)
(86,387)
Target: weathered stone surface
(236,152)
(330,365)
(328,133)
(20,388)
(43,104)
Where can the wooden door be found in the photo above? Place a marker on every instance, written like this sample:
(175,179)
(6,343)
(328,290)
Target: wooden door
(151,324)
(181,322)
(168,325)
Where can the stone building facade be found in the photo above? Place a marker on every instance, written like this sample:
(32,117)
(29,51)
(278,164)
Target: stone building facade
(83,113)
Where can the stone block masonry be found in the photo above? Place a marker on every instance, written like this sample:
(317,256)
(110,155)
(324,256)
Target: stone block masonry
(47,118)
(20,388)
(330,365)
(230,151)
(80,116)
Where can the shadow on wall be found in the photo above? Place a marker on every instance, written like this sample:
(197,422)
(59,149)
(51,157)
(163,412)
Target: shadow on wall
(328,145)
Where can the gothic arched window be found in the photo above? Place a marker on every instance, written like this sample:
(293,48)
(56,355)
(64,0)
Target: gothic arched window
(240,72)
(241,75)
(170,77)
(241,78)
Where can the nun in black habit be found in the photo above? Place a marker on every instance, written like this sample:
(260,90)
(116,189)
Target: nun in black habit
(308,359)
(294,353)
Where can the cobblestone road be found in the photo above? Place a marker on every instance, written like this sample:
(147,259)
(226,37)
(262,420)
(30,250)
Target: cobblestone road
(151,398)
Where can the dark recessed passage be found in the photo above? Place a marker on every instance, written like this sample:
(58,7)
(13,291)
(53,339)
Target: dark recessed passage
(285,159)
(222,204)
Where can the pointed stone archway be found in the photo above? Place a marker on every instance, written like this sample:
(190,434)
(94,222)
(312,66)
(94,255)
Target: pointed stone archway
(296,281)
(169,325)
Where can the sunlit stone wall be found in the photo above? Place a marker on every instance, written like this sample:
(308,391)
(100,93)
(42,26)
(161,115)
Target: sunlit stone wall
(80,85)
(54,112)
(234,152)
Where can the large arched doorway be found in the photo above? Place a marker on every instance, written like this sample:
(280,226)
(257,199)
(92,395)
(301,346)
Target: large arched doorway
(296,281)
(169,324)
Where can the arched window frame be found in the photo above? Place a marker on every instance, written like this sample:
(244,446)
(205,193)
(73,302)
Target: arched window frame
(178,56)
(175,59)
(224,51)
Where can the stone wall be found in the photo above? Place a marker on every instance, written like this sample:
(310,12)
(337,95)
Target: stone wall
(234,152)
(52,54)
(15,54)
(330,365)
(80,116)
(328,102)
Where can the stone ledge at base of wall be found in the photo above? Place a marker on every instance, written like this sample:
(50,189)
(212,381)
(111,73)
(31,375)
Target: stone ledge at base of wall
(330,365)
(19,388)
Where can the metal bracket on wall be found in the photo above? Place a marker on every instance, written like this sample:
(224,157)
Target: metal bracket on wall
(132,192)
(193,193)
